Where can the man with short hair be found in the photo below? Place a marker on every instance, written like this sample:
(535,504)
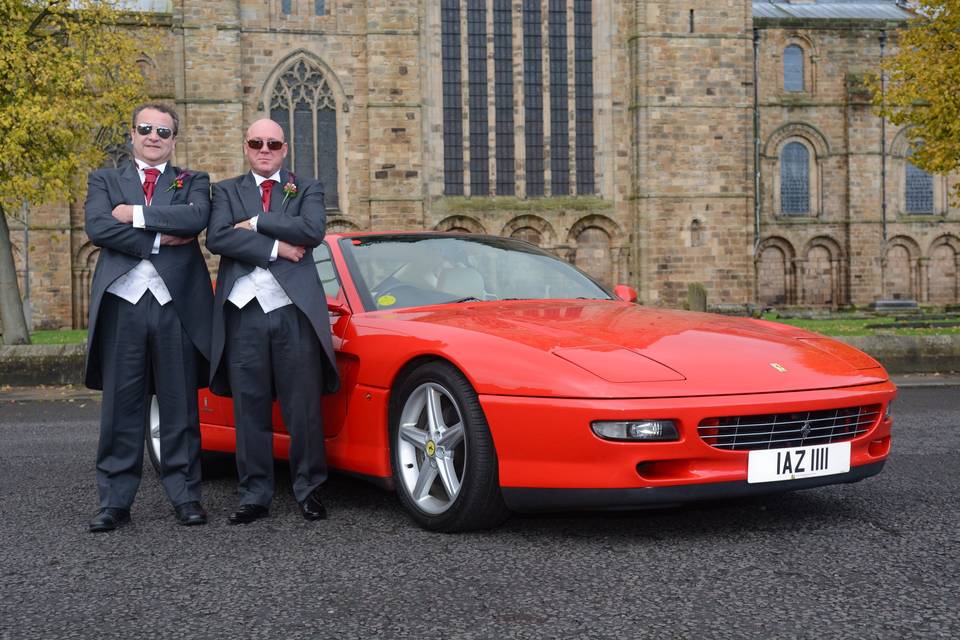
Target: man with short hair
(150,307)
(271,329)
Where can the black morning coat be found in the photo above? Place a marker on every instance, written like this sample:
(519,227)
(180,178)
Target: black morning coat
(299,219)
(179,211)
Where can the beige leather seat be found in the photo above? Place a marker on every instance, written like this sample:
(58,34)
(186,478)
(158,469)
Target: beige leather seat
(462,282)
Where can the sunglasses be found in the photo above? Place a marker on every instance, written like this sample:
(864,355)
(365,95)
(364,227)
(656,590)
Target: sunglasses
(273,145)
(163,132)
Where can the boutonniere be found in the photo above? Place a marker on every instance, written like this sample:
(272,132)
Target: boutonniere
(289,191)
(178,181)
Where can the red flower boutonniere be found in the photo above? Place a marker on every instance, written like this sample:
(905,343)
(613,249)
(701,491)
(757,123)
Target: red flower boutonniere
(178,181)
(289,191)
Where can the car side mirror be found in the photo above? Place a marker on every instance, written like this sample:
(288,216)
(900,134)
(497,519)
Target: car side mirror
(625,293)
(337,308)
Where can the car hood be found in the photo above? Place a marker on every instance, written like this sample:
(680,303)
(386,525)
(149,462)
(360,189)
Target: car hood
(630,350)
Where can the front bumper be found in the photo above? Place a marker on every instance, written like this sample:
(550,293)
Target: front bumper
(549,458)
(534,500)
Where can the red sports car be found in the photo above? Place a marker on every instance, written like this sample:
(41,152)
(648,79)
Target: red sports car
(482,375)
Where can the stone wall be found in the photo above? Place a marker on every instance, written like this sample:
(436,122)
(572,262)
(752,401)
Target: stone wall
(673,142)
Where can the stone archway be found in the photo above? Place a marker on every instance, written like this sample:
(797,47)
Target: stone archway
(943,271)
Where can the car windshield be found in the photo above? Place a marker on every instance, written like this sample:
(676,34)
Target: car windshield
(401,271)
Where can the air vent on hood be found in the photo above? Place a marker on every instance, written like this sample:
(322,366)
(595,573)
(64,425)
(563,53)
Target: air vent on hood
(616,364)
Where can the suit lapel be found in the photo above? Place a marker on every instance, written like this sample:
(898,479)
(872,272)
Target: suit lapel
(130,184)
(249,194)
(162,193)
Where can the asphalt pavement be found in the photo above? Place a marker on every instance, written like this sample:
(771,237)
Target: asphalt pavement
(877,559)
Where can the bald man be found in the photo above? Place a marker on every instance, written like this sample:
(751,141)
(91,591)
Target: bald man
(271,331)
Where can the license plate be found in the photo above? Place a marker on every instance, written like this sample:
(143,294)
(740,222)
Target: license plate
(794,463)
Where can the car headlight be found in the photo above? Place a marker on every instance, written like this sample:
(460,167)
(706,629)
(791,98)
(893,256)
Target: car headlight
(888,412)
(636,430)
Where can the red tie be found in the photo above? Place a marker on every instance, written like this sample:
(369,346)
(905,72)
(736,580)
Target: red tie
(267,186)
(149,182)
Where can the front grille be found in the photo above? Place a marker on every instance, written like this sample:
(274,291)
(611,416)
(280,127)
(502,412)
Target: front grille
(782,430)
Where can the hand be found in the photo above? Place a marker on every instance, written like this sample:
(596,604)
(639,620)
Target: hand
(290,252)
(123,213)
(173,241)
(244,224)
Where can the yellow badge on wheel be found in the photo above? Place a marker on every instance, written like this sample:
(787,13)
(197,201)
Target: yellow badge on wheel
(386,301)
(431,448)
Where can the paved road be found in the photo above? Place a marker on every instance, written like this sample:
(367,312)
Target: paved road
(878,559)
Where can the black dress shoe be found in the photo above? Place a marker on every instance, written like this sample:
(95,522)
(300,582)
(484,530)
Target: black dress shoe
(247,513)
(108,519)
(312,508)
(190,513)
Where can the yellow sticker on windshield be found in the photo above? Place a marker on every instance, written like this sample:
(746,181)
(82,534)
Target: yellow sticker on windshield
(386,301)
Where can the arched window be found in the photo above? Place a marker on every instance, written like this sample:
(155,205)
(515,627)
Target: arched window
(918,189)
(793,68)
(794,179)
(303,103)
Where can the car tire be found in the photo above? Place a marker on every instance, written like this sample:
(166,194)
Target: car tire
(444,461)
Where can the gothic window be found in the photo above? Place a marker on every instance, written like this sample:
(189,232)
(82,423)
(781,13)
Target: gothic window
(793,68)
(320,7)
(559,114)
(794,179)
(503,90)
(303,103)
(452,104)
(918,189)
(533,95)
(286,6)
(479,127)
(554,39)
(583,88)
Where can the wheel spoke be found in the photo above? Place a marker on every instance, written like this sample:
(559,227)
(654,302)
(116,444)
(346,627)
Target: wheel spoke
(434,411)
(448,476)
(409,433)
(428,473)
(452,436)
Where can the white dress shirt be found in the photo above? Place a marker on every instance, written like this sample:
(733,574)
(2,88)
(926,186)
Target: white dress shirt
(260,283)
(144,277)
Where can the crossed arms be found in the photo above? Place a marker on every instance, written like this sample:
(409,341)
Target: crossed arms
(294,235)
(112,227)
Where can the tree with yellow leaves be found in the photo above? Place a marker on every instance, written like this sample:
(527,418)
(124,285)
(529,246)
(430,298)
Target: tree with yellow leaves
(922,88)
(68,82)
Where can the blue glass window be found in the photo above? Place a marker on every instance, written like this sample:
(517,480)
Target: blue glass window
(919,190)
(533,95)
(583,88)
(793,68)
(503,92)
(452,99)
(559,111)
(477,77)
(794,179)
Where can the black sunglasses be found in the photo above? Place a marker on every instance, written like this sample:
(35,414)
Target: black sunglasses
(273,145)
(163,132)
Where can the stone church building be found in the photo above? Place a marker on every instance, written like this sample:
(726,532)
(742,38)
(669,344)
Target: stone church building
(622,136)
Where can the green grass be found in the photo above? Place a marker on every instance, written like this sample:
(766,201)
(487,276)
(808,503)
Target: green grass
(834,326)
(66,336)
(840,326)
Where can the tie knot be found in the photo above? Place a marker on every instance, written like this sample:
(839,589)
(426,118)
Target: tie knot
(150,174)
